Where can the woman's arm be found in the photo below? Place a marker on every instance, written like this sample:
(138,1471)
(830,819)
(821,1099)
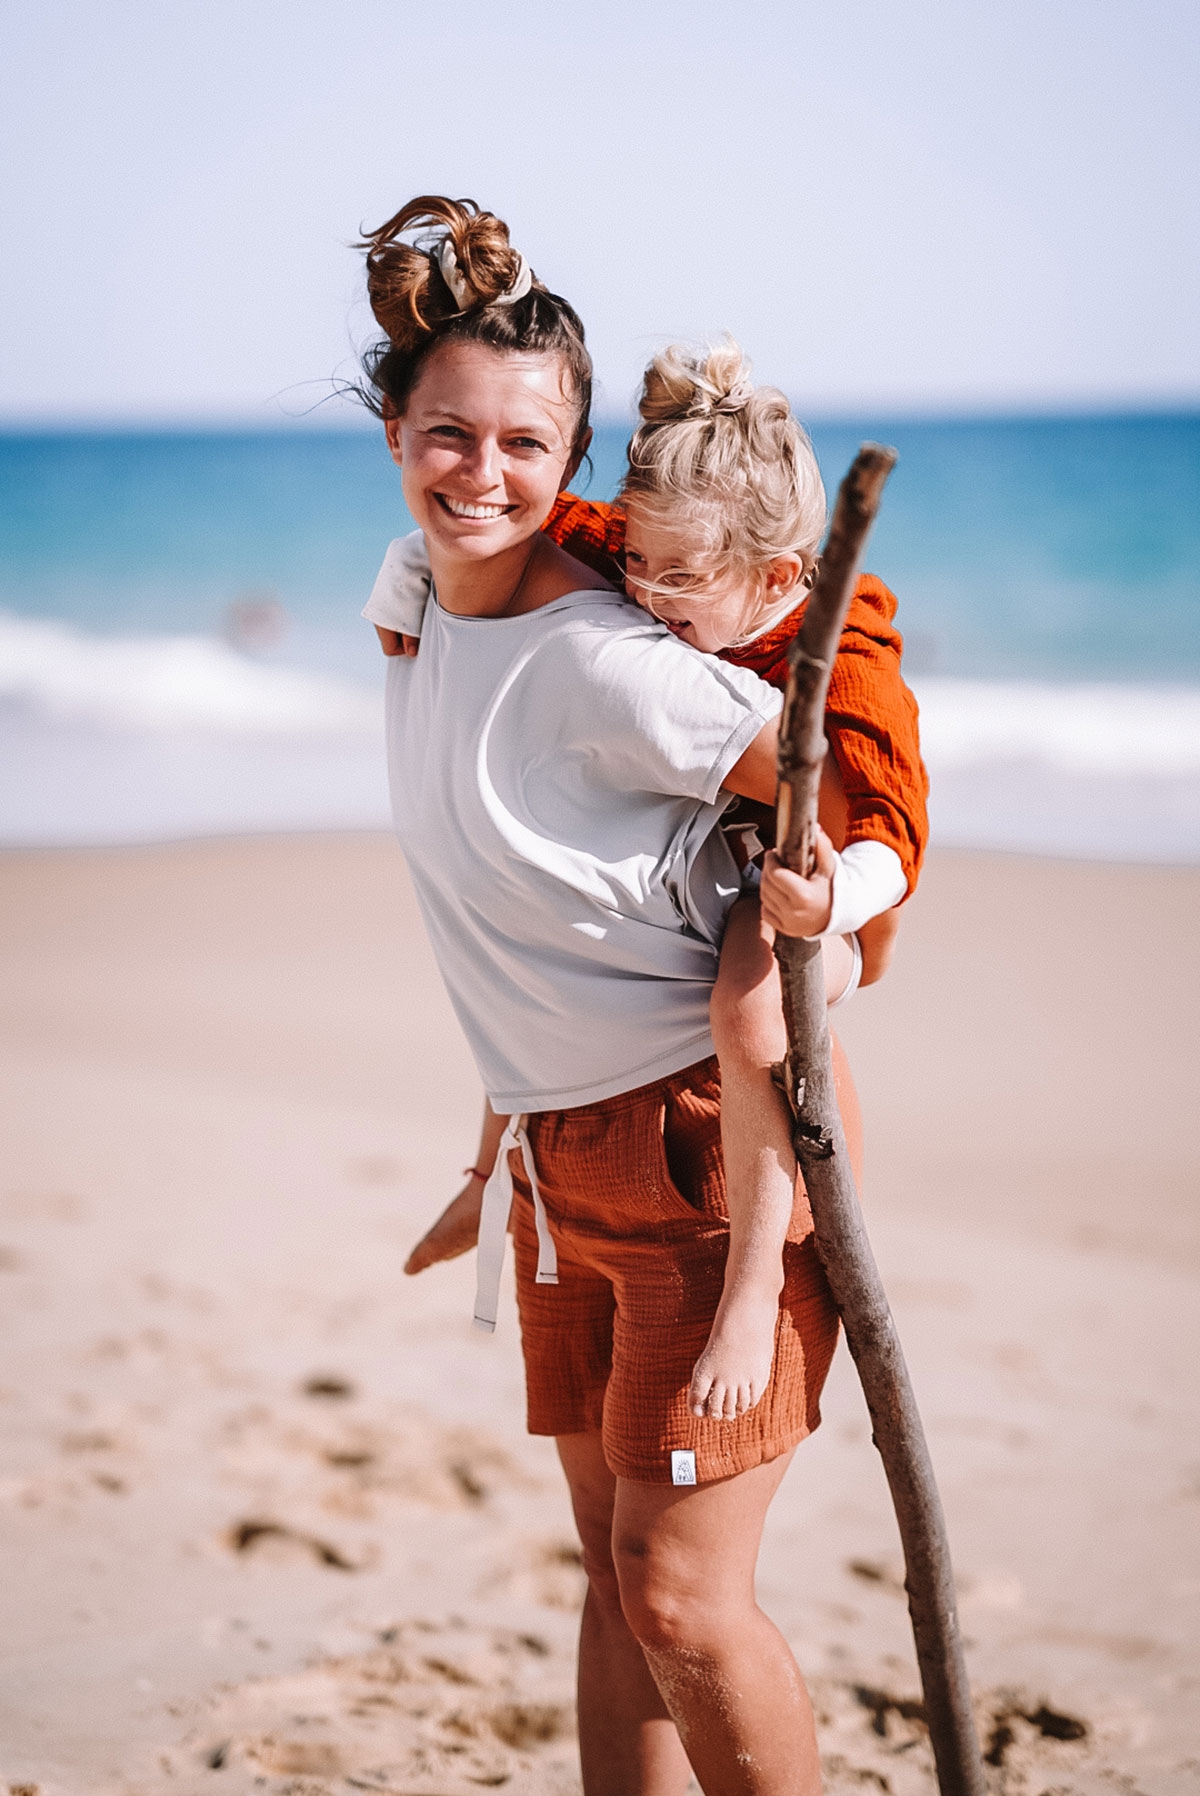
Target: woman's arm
(756,774)
(457,1228)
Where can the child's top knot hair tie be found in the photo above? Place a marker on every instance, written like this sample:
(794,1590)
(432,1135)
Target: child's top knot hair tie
(736,400)
(464,294)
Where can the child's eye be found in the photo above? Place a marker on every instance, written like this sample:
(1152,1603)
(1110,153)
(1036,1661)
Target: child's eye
(632,558)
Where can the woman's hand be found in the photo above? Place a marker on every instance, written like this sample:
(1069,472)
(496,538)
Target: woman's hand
(392,643)
(797,906)
(455,1232)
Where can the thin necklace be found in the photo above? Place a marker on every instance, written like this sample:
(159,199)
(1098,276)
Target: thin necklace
(516,591)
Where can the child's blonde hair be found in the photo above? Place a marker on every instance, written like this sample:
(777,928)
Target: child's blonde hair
(726,462)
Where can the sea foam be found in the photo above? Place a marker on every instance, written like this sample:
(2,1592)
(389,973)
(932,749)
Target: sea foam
(137,738)
(52,671)
(1085,727)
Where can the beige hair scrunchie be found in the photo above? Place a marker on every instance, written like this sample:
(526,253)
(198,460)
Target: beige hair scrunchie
(464,293)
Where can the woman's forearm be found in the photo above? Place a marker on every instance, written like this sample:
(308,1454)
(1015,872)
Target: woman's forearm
(489,1139)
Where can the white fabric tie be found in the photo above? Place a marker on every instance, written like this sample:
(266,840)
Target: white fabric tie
(493,1225)
(465,295)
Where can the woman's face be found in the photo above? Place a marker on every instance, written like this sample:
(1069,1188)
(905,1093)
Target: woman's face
(485,443)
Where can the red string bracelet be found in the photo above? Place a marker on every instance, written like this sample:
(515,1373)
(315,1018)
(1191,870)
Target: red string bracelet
(477,1174)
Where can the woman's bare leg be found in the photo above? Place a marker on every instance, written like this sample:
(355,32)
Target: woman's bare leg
(628,1743)
(685,1563)
(760,1165)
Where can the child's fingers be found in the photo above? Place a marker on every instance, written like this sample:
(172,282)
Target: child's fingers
(826,854)
(410,644)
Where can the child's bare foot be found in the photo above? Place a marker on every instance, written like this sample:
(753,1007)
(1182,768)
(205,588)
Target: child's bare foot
(733,1371)
(455,1232)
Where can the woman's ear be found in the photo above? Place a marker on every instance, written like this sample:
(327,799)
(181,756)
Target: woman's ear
(391,427)
(577,454)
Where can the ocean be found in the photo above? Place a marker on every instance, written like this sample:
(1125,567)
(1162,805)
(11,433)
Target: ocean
(181,651)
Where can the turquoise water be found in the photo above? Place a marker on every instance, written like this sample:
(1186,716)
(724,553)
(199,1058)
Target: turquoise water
(1020,548)
(1048,572)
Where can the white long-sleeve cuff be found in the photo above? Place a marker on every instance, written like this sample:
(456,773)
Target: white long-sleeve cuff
(867,879)
(401,590)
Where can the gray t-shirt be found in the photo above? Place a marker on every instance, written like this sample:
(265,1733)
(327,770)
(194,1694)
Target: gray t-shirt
(556,788)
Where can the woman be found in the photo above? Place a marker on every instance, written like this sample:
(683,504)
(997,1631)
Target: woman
(559,763)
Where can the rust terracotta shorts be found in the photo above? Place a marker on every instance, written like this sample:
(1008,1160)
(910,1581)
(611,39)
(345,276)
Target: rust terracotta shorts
(634,1188)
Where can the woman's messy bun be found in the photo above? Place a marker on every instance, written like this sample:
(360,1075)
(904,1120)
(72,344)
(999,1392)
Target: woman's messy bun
(727,462)
(460,278)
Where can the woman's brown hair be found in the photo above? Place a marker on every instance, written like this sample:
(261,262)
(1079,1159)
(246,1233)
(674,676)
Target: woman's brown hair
(415,307)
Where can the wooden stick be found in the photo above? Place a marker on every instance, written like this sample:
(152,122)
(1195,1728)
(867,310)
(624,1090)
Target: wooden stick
(841,1238)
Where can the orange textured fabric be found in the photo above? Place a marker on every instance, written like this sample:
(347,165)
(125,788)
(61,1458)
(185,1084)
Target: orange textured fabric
(634,1190)
(870,714)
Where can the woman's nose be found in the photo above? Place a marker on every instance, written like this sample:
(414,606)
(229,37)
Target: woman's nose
(483,463)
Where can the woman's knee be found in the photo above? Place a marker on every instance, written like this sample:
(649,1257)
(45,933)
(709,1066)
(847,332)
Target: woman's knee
(601,1573)
(664,1607)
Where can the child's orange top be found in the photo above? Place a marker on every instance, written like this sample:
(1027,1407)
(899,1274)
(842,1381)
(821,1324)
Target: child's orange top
(870,714)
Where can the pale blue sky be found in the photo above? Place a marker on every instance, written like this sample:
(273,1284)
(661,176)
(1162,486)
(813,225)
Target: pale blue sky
(934,206)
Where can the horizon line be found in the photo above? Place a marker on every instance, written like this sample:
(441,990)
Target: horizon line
(829,416)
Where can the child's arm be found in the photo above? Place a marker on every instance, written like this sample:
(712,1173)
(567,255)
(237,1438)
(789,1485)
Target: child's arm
(400,594)
(457,1228)
(851,893)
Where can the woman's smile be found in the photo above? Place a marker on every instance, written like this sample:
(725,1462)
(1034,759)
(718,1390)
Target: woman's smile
(471,508)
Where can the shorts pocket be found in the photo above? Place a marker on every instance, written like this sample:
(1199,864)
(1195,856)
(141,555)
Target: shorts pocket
(689,1142)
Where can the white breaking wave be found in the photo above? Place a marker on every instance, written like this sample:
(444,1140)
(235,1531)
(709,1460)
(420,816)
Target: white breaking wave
(54,673)
(1105,729)
(171,683)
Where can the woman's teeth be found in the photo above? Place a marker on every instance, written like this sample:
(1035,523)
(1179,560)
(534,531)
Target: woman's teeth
(460,508)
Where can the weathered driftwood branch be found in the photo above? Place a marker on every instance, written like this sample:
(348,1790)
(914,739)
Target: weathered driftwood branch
(841,1237)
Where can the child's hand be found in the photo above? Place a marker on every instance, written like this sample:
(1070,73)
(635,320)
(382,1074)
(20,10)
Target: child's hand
(455,1232)
(796,906)
(392,643)
(733,1371)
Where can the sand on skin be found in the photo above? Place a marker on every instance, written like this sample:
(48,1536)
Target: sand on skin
(270,1517)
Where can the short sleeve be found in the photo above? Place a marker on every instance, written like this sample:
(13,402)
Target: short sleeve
(663,717)
(401,590)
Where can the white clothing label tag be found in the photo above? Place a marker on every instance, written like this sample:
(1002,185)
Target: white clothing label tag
(683,1467)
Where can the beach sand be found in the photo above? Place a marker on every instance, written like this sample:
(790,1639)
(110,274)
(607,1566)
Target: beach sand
(270,1519)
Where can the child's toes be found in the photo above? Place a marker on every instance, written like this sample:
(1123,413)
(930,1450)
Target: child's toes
(723,1403)
(700,1394)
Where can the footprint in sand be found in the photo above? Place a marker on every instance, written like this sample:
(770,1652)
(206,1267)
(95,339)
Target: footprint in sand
(874,1737)
(287,1543)
(446,1710)
(548,1573)
(354,1465)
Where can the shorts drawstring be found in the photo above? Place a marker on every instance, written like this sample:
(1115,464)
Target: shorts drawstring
(493,1225)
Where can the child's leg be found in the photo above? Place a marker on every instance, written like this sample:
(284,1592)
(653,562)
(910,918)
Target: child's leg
(760,1165)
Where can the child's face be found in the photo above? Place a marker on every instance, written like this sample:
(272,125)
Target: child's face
(708,613)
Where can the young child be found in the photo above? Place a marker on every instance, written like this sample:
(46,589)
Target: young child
(717,532)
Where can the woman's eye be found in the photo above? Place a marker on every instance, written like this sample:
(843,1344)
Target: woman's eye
(528,443)
(447,430)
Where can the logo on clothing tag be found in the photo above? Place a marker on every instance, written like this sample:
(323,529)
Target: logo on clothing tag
(683,1467)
